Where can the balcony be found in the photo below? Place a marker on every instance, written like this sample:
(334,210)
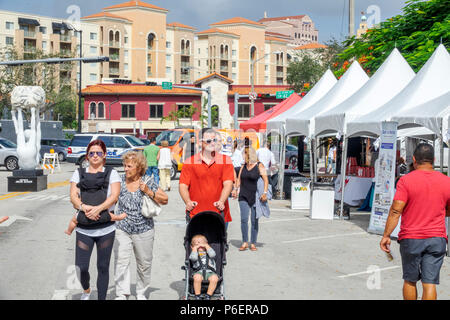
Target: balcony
(65,38)
(65,52)
(223,68)
(185,52)
(114,44)
(29,34)
(280,74)
(185,77)
(114,71)
(114,57)
(185,64)
(29,49)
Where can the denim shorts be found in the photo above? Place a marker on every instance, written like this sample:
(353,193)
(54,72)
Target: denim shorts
(422,259)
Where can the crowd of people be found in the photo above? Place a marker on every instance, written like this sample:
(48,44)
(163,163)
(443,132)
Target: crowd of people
(109,211)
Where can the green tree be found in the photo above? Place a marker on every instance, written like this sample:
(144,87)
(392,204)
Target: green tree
(173,115)
(55,79)
(416,33)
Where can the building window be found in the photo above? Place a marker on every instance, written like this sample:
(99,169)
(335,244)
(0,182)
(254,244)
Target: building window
(198,50)
(128,111)
(233,76)
(233,53)
(233,64)
(44,45)
(183,108)
(9,25)
(101,110)
(125,40)
(93,50)
(93,36)
(125,68)
(92,110)
(168,58)
(9,40)
(126,54)
(93,77)
(268,106)
(43,30)
(243,111)
(168,70)
(168,44)
(266,68)
(198,63)
(156,111)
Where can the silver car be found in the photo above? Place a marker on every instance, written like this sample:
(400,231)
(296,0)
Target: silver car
(8,155)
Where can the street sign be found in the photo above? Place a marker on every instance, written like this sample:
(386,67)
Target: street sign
(284,94)
(252,95)
(167,85)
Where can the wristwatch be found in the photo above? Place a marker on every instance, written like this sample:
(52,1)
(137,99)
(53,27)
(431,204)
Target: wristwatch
(81,205)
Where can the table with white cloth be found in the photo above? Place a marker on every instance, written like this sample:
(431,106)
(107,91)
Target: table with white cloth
(356,189)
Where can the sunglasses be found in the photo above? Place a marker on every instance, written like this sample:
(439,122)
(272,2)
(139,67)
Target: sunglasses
(208,141)
(92,153)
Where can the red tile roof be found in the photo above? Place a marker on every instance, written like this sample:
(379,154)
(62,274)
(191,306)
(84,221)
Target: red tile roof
(214,74)
(215,30)
(311,46)
(237,20)
(135,89)
(275,39)
(179,25)
(245,89)
(134,3)
(105,15)
(281,18)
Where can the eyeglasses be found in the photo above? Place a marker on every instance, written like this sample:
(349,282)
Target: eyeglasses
(208,141)
(92,153)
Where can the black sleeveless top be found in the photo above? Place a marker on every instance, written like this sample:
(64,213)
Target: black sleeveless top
(94,191)
(249,183)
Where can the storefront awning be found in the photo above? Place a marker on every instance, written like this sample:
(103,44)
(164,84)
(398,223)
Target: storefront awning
(30,22)
(61,26)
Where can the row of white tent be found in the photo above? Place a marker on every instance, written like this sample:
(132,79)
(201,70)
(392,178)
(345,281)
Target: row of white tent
(356,105)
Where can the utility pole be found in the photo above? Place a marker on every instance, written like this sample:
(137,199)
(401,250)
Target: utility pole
(351,18)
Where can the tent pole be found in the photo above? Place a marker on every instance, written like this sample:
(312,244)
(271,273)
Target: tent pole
(441,148)
(281,165)
(343,172)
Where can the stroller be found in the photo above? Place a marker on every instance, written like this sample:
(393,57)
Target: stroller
(212,225)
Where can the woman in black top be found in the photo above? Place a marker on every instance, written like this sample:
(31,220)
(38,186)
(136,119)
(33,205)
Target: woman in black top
(246,186)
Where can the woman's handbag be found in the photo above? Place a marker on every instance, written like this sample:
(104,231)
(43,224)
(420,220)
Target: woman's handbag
(150,208)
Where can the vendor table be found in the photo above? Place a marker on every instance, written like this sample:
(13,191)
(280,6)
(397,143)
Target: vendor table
(356,189)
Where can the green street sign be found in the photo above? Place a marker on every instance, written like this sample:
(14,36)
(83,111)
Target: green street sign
(283,94)
(167,85)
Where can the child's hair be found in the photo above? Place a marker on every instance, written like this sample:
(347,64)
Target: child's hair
(197,237)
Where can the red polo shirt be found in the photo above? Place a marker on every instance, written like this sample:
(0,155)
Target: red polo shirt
(206,182)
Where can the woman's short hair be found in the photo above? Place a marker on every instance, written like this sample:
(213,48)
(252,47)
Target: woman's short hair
(99,143)
(138,158)
(250,155)
(164,143)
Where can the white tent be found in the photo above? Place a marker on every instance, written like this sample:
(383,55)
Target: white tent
(392,77)
(432,81)
(326,82)
(351,81)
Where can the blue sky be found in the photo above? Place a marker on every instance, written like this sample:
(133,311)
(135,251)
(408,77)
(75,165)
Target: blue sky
(330,16)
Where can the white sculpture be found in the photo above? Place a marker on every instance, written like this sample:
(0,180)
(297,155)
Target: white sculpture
(28,141)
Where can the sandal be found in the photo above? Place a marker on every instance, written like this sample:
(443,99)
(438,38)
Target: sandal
(244,246)
(253,247)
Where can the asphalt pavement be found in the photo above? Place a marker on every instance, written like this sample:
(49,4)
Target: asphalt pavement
(297,258)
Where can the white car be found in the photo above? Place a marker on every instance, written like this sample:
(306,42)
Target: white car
(8,155)
(116,146)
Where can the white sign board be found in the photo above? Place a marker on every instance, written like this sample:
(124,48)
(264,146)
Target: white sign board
(384,179)
(252,95)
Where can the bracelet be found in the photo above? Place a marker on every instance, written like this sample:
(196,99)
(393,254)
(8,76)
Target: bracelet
(81,206)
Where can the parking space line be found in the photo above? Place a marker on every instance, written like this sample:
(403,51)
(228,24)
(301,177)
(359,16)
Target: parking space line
(12,195)
(325,237)
(367,272)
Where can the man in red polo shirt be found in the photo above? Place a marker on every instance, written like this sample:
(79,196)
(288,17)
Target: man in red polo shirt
(207,178)
(422,200)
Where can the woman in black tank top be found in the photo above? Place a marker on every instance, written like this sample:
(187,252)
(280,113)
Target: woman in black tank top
(246,184)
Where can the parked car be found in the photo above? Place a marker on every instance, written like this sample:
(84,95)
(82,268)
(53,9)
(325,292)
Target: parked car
(59,146)
(8,154)
(291,156)
(145,141)
(116,146)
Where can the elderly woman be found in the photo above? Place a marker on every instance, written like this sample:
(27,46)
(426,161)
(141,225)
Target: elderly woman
(87,194)
(246,186)
(135,233)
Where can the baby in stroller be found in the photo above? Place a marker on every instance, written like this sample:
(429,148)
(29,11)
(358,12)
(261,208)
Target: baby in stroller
(202,257)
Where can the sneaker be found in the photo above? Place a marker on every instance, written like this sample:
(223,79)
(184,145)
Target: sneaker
(199,297)
(207,297)
(121,297)
(141,297)
(85,296)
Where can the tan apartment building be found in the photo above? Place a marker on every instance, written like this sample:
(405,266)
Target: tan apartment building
(300,29)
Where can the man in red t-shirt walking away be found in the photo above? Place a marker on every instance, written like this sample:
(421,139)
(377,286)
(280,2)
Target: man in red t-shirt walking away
(422,200)
(207,178)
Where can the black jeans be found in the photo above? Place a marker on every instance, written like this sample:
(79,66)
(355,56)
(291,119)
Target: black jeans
(83,251)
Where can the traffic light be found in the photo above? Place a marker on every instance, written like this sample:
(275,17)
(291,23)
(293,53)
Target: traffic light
(150,83)
(263,95)
(122,81)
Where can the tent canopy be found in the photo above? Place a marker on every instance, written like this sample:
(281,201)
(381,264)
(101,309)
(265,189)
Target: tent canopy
(326,82)
(391,78)
(258,123)
(431,115)
(352,80)
(432,81)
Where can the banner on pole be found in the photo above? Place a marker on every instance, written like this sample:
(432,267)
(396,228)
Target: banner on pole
(384,179)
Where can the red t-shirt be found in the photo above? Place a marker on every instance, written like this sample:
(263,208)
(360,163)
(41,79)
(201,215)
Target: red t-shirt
(206,182)
(426,194)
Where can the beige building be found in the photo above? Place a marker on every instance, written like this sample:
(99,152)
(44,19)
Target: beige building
(300,29)
(143,46)
(362,27)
